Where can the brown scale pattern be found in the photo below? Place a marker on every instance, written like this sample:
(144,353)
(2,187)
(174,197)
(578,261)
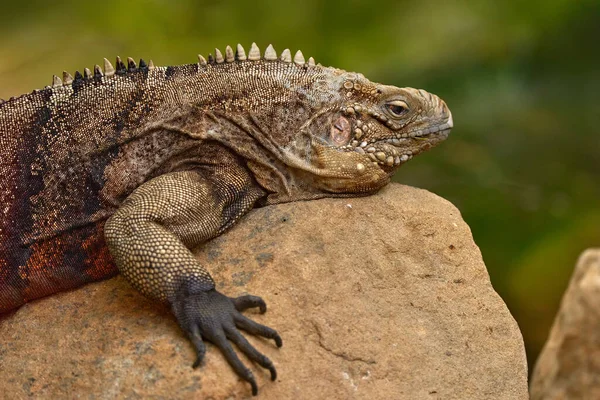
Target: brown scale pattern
(60,263)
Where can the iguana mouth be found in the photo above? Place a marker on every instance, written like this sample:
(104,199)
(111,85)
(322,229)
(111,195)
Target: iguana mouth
(443,129)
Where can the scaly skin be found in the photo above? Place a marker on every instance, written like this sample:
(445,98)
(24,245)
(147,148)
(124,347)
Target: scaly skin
(131,169)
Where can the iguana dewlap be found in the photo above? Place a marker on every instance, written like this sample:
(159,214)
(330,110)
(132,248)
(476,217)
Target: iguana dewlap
(126,169)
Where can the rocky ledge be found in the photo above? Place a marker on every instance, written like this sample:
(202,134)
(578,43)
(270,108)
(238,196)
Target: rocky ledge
(382,297)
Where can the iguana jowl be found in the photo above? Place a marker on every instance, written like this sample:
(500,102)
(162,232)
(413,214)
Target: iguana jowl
(128,168)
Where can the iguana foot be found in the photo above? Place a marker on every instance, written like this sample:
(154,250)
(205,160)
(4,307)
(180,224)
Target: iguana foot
(210,315)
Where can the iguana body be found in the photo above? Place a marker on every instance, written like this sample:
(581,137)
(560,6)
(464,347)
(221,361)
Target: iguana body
(130,169)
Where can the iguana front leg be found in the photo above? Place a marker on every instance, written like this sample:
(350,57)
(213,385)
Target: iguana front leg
(150,236)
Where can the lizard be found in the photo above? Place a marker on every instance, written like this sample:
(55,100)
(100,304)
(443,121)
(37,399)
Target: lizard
(124,169)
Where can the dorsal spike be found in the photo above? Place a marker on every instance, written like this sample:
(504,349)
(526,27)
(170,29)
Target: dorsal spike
(211,59)
(98,71)
(299,58)
(201,60)
(109,70)
(311,62)
(131,66)
(143,64)
(286,56)
(78,76)
(218,56)
(87,73)
(2,101)
(240,53)
(67,78)
(270,53)
(229,56)
(254,53)
(120,65)
(150,65)
(56,82)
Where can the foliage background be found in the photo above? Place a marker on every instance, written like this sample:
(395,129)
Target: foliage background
(522,79)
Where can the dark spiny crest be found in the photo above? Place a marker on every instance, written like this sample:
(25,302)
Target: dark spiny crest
(98,72)
(131,66)
(121,68)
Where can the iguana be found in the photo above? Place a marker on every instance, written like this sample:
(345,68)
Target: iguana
(126,169)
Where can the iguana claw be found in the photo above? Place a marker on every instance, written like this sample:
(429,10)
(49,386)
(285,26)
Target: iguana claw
(210,315)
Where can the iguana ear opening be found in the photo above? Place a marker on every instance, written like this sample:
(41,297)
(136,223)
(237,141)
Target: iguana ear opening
(340,132)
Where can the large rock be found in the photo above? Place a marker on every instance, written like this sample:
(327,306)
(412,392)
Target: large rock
(569,365)
(384,297)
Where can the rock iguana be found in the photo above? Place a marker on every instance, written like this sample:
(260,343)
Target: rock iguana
(126,169)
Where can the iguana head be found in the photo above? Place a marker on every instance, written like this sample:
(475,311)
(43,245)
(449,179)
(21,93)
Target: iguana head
(359,143)
(326,131)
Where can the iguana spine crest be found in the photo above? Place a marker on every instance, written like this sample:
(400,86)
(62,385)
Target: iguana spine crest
(109,70)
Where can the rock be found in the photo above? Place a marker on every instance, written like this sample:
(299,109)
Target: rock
(569,365)
(383,297)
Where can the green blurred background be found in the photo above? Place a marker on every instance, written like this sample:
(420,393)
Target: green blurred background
(522,79)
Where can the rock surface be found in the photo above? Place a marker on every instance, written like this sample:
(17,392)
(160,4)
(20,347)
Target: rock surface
(569,364)
(383,297)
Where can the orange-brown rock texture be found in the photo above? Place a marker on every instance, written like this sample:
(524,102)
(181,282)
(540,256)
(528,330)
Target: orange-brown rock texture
(569,365)
(382,297)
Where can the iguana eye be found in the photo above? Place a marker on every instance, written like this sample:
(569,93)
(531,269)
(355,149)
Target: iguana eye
(397,108)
